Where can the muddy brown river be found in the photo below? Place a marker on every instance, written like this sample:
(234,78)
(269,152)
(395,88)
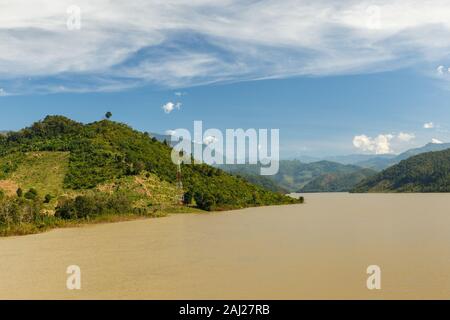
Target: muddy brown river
(320,249)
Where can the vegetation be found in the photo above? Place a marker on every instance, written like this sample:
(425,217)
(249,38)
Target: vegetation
(426,172)
(78,172)
(337,182)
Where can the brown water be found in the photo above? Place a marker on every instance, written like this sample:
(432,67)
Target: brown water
(317,250)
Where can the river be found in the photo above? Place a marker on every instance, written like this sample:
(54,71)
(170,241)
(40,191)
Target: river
(320,249)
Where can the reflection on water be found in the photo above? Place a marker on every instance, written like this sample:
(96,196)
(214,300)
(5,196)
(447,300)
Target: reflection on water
(317,250)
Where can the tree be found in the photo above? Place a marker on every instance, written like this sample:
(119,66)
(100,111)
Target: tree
(108,115)
(19,192)
(48,198)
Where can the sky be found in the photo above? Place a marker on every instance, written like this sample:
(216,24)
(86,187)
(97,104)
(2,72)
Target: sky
(335,77)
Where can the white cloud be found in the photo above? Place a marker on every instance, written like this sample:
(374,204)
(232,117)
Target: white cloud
(428,125)
(180,93)
(170,106)
(127,44)
(405,137)
(383,143)
(436,141)
(2,92)
(379,145)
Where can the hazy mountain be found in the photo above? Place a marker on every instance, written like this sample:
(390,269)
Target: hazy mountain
(337,182)
(427,148)
(383,162)
(426,172)
(358,158)
(293,175)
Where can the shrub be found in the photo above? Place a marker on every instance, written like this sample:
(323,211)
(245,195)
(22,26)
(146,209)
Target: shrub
(19,192)
(48,198)
(205,201)
(187,197)
(31,194)
(19,210)
(93,205)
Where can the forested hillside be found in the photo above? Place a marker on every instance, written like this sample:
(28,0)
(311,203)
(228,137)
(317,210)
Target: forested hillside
(426,172)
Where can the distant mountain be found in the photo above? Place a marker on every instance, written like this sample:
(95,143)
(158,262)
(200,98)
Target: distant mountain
(358,158)
(426,172)
(337,182)
(427,148)
(382,162)
(293,175)
(378,163)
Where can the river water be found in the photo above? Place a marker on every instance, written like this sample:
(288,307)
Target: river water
(320,249)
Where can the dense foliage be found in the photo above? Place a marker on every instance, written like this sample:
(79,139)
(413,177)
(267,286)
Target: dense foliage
(87,206)
(427,172)
(19,210)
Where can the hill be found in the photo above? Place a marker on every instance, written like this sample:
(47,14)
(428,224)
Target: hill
(337,182)
(426,172)
(64,158)
(293,175)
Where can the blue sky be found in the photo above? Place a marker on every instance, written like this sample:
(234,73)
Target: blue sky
(334,78)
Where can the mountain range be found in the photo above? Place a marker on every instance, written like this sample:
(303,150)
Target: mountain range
(341,174)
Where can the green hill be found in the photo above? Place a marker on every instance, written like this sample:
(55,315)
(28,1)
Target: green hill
(293,175)
(426,172)
(65,159)
(337,182)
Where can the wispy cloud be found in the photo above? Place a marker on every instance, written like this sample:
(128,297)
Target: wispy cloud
(185,43)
